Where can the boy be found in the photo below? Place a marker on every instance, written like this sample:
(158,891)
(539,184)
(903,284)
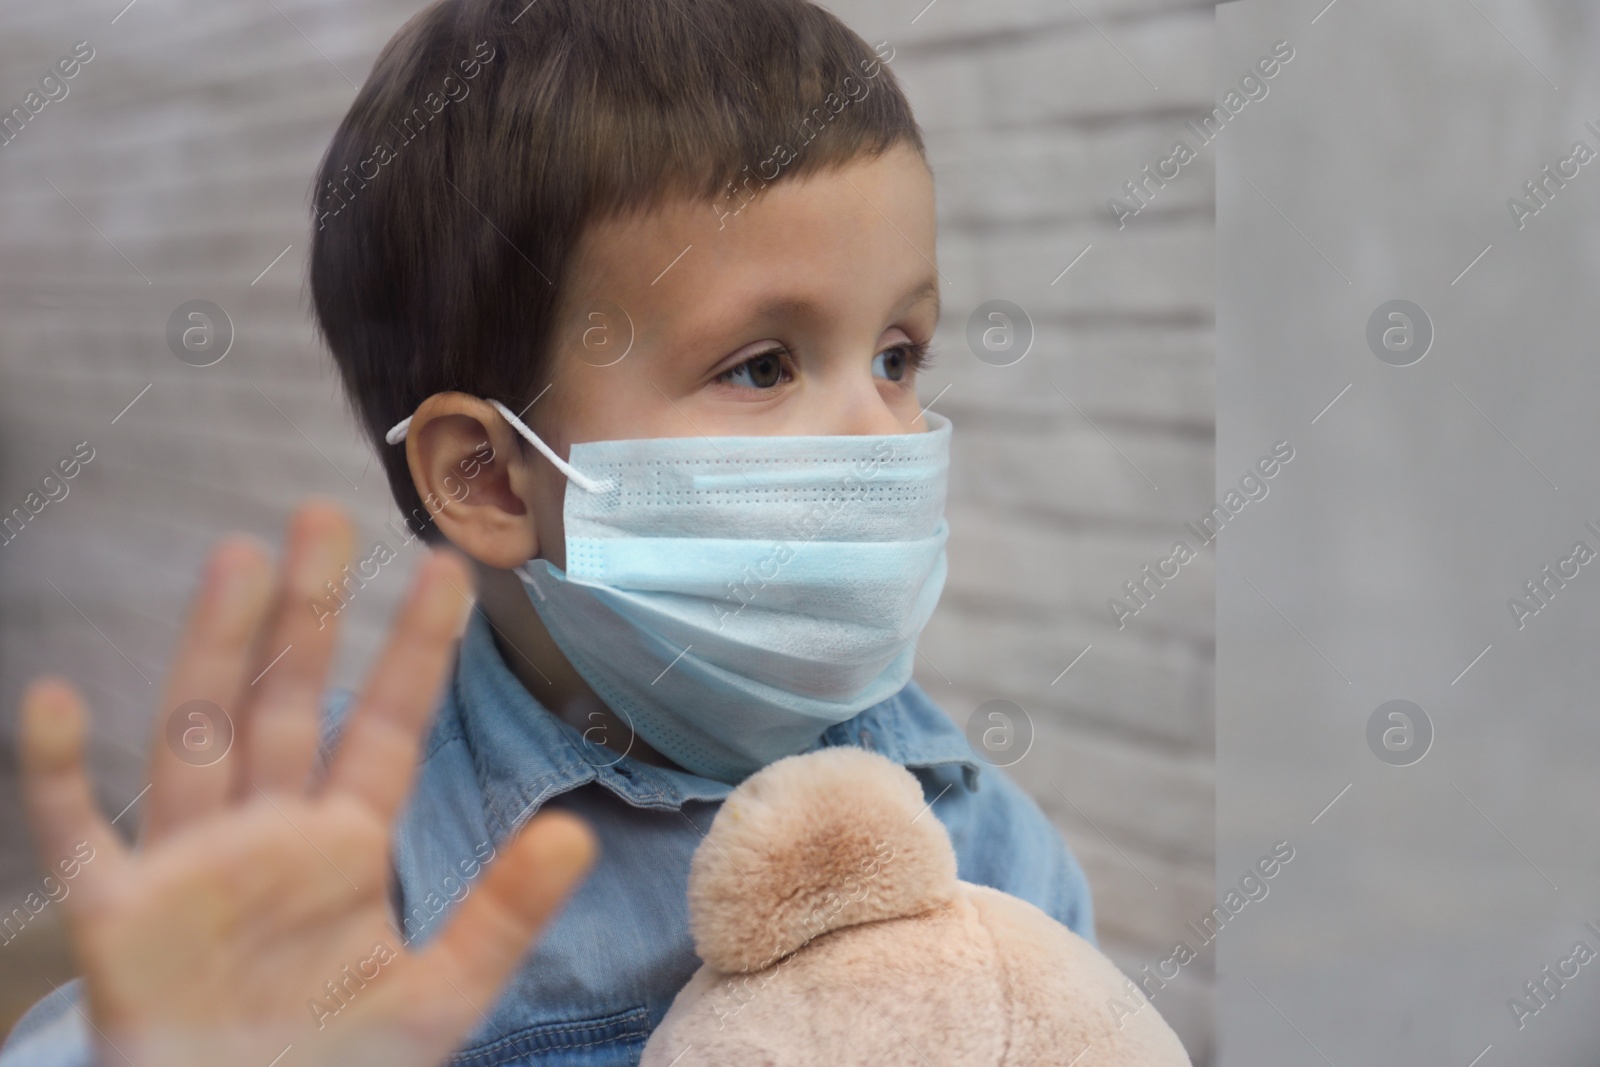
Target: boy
(632,297)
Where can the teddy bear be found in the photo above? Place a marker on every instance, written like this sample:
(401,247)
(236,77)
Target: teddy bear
(833,931)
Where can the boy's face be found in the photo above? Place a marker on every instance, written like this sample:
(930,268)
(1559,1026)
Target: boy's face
(807,312)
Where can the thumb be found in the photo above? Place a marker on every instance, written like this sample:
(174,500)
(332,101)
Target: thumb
(510,905)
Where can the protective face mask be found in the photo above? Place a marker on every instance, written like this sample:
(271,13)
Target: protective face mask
(733,597)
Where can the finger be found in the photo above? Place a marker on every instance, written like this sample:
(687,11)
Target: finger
(284,719)
(68,827)
(191,764)
(377,755)
(509,907)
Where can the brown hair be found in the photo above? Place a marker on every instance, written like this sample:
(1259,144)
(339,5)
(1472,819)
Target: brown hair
(490,133)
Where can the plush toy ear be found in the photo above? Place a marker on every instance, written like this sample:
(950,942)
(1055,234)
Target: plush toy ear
(814,843)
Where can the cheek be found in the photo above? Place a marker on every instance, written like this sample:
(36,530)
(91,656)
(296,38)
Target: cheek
(903,401)
(549,495)
(552,540)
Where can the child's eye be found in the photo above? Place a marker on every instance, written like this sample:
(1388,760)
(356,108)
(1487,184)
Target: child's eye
(893,364)
(763,370)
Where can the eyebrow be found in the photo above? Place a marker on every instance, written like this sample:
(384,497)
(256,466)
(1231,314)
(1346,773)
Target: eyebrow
(796,307)
(921,291)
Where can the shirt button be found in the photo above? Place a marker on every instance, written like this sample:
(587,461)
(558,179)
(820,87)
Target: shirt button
(866,739)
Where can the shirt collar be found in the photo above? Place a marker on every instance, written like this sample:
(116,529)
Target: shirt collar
(523,754)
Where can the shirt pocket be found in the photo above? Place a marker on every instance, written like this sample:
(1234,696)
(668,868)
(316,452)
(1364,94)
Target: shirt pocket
(615,1040)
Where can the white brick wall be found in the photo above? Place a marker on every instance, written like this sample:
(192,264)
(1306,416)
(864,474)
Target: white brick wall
(189,142)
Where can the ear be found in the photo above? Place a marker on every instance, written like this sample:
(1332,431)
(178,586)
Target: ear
(474,479)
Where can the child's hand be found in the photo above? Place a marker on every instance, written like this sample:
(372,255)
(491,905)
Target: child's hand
(255,895)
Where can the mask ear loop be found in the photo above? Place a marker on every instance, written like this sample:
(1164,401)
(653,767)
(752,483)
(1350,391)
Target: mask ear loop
(398,431)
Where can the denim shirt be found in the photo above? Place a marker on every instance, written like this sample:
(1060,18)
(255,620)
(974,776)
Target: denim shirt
(605,971)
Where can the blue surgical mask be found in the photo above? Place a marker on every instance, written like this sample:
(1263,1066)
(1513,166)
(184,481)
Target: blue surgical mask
(733,597)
